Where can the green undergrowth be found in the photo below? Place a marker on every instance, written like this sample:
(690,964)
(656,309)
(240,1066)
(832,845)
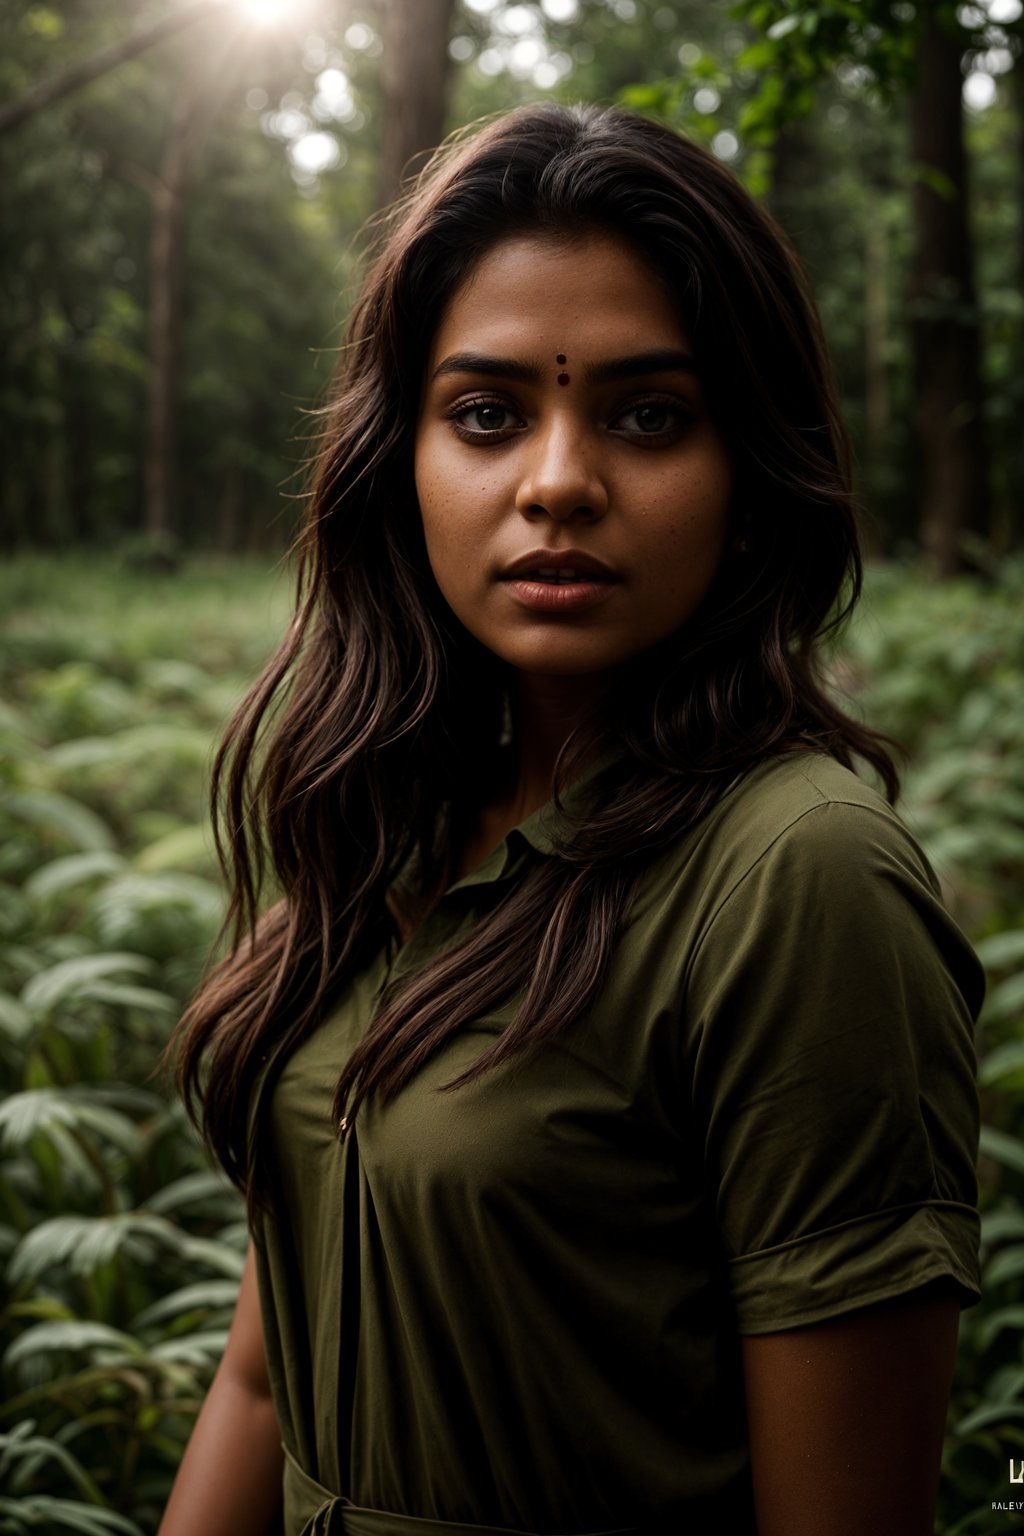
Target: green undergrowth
(122,1249)
(940,666)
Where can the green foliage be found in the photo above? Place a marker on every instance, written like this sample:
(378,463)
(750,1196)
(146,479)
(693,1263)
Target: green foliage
(941,666)
(122,1248)
(797,46)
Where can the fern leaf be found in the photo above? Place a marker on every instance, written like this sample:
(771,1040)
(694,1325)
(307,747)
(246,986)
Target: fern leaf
(58,982)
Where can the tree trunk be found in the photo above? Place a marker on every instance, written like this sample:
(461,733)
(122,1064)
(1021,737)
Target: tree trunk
(1011,521)
(200,101)
(166,288)
(229,512)
(79,513)
(414,70)
(794,172)
(876,342)
(954,486)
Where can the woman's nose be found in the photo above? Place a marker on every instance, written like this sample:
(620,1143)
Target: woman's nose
(561,476)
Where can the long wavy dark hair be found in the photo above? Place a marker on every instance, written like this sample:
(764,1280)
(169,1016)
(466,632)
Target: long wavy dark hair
(379,713)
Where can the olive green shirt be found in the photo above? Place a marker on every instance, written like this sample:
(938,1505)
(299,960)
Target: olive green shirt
(519,1304)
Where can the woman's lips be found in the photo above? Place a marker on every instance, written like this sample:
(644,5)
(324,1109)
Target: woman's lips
(559,589)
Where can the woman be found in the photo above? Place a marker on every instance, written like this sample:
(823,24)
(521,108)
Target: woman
(609,1156)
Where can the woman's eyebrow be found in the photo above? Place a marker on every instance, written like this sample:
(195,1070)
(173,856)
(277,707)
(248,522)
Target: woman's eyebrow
(494,367)
(659,360)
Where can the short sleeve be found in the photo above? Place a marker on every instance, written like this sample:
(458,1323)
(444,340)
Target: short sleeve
(832,1002)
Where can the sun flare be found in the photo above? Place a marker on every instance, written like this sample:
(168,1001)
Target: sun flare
(266,13)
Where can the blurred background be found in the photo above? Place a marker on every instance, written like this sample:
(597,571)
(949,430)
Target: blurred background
(185,190)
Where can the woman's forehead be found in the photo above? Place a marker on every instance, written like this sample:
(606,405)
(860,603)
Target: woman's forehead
(591,294)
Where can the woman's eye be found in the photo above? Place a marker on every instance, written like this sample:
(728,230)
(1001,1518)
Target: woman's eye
(483,418)
(651,418)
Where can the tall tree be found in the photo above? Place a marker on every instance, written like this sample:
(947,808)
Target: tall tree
(197,106)
(944,309)
(414,71)
(166,290)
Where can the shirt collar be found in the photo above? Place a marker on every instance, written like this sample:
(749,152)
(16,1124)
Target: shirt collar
(545,829)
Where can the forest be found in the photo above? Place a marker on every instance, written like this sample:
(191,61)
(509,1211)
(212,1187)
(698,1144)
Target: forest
(187,188)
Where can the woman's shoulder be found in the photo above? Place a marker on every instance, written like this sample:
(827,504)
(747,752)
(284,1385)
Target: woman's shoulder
(805,853)
(805,811)
(780,791)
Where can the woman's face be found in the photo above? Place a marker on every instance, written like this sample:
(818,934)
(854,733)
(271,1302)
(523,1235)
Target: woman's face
(573,488)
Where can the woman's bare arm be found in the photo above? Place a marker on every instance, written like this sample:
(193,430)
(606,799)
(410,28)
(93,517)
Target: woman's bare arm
(847,1419)
(230,1476)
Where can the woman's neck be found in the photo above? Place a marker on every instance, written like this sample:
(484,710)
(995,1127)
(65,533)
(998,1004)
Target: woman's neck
(545,712)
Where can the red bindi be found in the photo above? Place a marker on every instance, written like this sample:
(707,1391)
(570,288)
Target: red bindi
(563,378)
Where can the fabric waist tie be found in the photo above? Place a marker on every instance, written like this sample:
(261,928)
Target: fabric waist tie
(330,1514)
